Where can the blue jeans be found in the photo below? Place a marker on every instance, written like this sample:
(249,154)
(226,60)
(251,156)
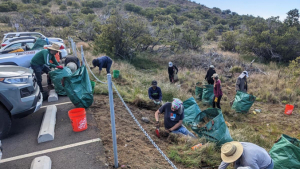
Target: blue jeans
(109,63)
(271,166)
(38,71)
(184,131)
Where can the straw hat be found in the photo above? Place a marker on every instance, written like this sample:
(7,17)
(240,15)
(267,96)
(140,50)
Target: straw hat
(232,151)
(55,47)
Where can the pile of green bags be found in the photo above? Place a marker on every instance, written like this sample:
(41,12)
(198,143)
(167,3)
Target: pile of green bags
(243,102)
(286,152)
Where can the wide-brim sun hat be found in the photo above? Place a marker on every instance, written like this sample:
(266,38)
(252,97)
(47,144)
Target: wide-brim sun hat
(232,151)
(54,47)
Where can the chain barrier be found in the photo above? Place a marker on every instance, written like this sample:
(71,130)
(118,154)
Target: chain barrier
(132,115)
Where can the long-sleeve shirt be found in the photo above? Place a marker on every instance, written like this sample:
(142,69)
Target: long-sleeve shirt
(43,57)
(217,89)
(253,156)
(171,70)
(155,94)
(241,85)
(72,59)
(102,62)
(209,74)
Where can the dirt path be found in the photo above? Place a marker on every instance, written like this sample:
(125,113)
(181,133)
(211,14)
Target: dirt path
(134,149)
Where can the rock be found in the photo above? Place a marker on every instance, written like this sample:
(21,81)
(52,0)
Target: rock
(128,166)
(145,119)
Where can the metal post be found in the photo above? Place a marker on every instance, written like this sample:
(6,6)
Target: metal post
(112,118)
(75,49)
(82,56)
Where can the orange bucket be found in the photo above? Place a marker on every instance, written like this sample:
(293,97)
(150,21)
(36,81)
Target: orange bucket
(78,119)
(288,109)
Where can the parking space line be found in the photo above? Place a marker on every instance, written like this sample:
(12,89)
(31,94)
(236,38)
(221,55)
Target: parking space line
(49,150)
(57,104)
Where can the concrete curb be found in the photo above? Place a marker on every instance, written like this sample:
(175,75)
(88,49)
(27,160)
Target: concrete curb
(52,96)
(48,125)
(43,162)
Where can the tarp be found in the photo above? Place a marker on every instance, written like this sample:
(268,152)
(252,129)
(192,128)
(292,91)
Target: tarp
(208,94)
(243,102)
(56,77)
(39,44)
(215,130)
(191,109)
(79,89)
(286,153)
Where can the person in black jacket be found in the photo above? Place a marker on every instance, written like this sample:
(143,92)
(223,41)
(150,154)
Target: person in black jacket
(171,70)
(211,71)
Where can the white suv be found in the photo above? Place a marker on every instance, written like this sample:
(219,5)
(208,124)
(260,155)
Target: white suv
(23,34)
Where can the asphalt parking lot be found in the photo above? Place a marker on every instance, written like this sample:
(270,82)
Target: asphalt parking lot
(82,150)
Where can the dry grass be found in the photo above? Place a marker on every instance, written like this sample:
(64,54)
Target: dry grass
(272,92)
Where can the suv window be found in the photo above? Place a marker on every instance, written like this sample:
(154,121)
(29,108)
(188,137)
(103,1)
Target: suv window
(13,46)
(32,34)
(10,35)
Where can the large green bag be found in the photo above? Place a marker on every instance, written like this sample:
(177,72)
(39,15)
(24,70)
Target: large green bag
(208,94)
(198,92)
(215,130)
(286,153)
(56,77)
(79,88)
(191,109)
(243,102)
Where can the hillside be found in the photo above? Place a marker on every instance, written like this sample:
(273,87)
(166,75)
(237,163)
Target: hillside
(143,36)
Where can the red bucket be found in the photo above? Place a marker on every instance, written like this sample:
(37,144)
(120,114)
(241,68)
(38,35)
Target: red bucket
(78,119)
(288,109)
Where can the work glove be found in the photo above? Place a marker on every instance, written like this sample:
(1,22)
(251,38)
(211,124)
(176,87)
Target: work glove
(59,67)
(157,124)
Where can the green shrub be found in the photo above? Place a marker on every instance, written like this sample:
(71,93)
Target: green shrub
(132,8)
(75,5)
(4,19)
(58,2)
(86,10)
(93,4)
(69,3)
(26,1)
(211,35)
(44,2)
(229,41)
(63,7)
(8,6)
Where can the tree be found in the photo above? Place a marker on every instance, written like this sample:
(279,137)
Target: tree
(86,10)
(229,41)
(293,18)
(122,38)
(62,7)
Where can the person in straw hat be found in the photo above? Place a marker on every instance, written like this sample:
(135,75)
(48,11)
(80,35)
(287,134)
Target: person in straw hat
(41,63)
(244,154)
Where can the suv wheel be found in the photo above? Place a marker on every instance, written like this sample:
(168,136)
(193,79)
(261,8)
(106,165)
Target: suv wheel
(5,122)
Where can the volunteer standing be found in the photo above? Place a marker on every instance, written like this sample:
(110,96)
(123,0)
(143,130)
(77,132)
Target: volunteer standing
(172,70)
(41,63)
(211,71)
(217,91)
(241,82)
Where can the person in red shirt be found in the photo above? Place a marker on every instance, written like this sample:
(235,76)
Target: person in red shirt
(217,91)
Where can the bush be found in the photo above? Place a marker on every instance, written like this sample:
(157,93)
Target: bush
(69,3)
(93,4)
(86,10)
(44,2)
(211,35)
(26,1)
(229,41)
(132,8)
(4,19)
(58,2)
(8,6)
(75,5)
(63,7)
(61,20)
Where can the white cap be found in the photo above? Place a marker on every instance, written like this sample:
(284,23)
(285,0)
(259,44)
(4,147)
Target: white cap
(170,64)
(246,73)
(211,66)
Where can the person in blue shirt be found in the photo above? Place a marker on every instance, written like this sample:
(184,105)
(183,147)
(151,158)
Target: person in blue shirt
(154,93)
(103,62)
